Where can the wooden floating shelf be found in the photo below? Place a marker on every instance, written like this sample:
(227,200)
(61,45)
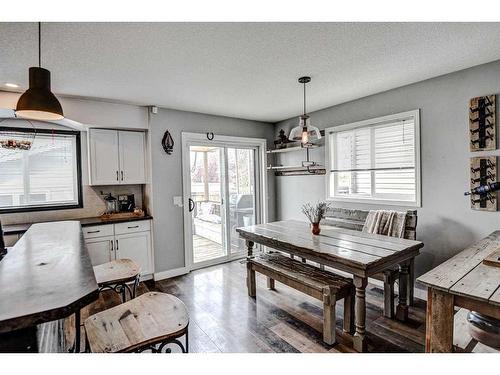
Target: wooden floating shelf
(291,149)
(301,172)
(288,170)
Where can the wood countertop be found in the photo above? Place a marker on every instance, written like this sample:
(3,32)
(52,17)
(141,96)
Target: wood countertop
(46,276)
(22,228)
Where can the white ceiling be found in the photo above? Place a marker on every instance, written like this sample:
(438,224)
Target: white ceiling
(246,70)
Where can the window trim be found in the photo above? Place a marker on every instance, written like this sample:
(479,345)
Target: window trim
(415,114)
(78,151)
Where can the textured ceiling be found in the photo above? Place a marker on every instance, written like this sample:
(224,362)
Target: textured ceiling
(245,70)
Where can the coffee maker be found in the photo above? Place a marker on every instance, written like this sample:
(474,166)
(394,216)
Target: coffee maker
(126,202)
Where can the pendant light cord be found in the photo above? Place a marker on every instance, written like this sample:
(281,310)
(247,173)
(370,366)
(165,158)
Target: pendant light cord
(39,44)
(304,98)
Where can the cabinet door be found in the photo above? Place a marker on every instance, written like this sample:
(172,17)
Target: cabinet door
(101,250)
(103,157)
(136,246)
(132,157)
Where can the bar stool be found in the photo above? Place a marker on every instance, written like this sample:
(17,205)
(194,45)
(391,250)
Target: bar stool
(116,275)
(149,322)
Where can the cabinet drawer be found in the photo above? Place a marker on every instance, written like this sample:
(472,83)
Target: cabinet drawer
(94,231)
(133,226)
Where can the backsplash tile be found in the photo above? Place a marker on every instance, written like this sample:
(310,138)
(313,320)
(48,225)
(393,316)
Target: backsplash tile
(93,205)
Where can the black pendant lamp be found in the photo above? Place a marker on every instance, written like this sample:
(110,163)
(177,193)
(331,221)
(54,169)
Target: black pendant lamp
(38,102)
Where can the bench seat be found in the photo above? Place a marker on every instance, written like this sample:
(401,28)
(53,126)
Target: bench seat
(325,286)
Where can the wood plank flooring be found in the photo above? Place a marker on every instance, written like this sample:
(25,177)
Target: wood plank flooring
(224,319)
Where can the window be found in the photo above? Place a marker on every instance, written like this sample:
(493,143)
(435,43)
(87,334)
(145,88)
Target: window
(48,176)
(375,161)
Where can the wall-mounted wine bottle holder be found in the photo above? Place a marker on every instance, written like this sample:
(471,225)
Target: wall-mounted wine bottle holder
(482,123)
(483,170)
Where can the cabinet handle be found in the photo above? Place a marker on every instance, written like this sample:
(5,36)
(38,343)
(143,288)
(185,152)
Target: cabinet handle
(122,175)
(93,231)
(116,245)
(135,226)
(112,247)
(116,175)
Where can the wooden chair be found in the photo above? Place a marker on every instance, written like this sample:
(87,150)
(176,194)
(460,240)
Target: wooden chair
(323,285)
(355,219)
(117,275)
(151,321)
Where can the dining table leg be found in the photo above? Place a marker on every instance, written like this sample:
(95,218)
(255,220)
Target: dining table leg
(359,341)
(402,308)
(249,247)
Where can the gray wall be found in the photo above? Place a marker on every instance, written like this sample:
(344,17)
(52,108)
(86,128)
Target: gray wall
(167,175)
(446,223)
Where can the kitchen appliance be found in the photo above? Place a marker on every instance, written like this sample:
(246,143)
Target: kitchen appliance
(111,206)
(126,203)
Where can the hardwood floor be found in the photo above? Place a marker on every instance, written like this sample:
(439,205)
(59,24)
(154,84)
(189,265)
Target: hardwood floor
(224,319)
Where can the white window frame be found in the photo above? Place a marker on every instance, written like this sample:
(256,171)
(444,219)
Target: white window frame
(329,157)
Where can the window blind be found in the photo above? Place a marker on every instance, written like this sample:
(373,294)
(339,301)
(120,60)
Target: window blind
(375,161)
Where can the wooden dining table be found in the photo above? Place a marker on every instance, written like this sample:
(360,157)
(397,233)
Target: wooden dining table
(466,281)
(360,254)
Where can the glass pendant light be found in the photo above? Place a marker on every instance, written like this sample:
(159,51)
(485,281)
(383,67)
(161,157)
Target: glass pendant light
(305,132)
(38,102)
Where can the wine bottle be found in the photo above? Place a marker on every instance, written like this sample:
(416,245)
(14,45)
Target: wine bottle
(483,189)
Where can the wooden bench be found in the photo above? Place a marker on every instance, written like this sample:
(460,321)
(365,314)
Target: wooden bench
(149,322)
(355,219)
(323,285)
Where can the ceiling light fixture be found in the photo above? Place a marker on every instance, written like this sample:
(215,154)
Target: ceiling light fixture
(38,102)
(12,85)
(305,131)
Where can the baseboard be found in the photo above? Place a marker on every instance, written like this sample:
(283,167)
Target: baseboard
(170,273)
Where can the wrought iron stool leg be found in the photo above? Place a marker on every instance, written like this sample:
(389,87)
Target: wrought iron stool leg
(187,340)
(123,292)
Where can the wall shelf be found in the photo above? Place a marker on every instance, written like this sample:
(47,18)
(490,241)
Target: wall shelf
(291,149)
(295,170)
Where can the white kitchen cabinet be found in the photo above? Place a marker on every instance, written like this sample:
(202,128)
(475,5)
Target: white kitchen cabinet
(104,161)
(132,157)
(116,157)
(101,249)
(131,240)
(135,246)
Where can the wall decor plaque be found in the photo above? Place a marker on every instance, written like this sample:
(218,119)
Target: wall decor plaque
(482,123)
(483,171)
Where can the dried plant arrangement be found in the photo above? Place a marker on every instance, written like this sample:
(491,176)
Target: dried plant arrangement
(315,213)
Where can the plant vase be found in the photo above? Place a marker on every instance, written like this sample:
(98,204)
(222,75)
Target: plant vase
(315,228)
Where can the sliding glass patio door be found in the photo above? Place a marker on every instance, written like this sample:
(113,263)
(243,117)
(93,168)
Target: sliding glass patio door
(221,194)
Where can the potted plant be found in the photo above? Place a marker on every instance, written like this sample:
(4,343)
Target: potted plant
(315,214)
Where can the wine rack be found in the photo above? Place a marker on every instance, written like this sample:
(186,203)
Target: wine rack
(482,123)
(483,171)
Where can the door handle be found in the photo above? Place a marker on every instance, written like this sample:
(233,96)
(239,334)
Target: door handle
(112,247)
(93,231)
(135,226)
(117,176)
(122,175)
(191,205)
(116,245)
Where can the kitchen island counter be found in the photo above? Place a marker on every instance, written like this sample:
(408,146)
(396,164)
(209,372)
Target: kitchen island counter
(46,276)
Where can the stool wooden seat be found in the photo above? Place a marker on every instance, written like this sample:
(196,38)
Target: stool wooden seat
(116,275)
(150,321)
